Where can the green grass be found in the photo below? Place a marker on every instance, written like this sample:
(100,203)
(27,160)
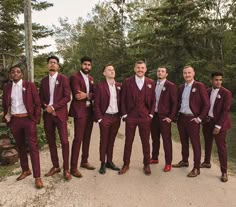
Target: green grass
(231,144)
(7,170)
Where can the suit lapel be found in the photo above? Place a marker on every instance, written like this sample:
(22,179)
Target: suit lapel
(24,88)
(58,81)
(47,88)
(107,88)
(83,86)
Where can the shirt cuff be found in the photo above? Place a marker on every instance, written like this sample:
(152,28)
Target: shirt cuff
(199,119)
(151,115)
(52,108)
(124,116)
(217,126)
(99,120)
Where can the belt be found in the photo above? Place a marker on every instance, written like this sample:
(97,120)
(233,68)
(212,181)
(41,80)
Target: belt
(191,115)
(112,115)
(20,115)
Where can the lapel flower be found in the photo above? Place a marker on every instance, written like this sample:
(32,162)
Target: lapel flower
(57,82)
(194,90)
(23,89)
(218,96)
(118,87)
(149,85)
(91,82)
(164,88)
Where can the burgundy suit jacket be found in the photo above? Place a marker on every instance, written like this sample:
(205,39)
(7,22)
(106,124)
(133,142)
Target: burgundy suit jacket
(221,108)
(168,102)
(61,95)
(102,98)
(78,107)
(30,98)
(128,97)
(198,101)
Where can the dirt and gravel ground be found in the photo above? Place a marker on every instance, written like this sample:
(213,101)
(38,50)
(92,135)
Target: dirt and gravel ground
(132,189)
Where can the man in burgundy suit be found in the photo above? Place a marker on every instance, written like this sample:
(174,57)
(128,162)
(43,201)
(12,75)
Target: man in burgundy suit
(193,107)
(217,123)
(165,110)
(137,108)
(54,95)
(21,106)
(82,87)
(106,108)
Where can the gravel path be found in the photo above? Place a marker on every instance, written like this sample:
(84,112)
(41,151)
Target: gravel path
(133,189)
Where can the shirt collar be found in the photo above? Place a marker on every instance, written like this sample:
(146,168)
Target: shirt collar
(19,83)
(215,89)
(54,77)
(111,84)
(189,84)
(162,82)
(139,79)
(84,75)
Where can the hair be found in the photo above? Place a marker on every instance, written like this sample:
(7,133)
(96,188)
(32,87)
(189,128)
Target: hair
(16,66)
(216,73)
(162,66)
(53,57)
(85,58)
(189,66)
(108,64)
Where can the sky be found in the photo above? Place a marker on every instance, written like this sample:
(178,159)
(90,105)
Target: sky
(62,8)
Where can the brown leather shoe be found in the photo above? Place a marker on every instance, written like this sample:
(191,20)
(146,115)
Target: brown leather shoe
(123,170)
(87,166)
(76,173)
(53,171)
(67,175)
(194,173)
(23,175)
(180,164)
(147,170)
(205,165)
(224,177)
(38,183)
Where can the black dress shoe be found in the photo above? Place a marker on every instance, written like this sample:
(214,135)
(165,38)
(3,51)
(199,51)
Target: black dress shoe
(112,166)
(180,164)
(102,169)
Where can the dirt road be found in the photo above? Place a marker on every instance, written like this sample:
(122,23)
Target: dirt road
(133,189)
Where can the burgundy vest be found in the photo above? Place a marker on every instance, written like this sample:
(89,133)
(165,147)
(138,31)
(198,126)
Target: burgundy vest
(140,110)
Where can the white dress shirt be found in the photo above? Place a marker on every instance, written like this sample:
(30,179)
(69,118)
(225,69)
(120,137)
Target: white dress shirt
(17,104)
(214,93)
(139,82)
(158,90)
(86,80)
(185,108)
(113,107)
(52,83)
(213,96)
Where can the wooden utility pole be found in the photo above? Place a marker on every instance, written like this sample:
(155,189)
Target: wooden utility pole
(28,40)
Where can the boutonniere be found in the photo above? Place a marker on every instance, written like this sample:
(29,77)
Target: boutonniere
(194,90)
(23,89)
(218,96)
(91,82)
(164,88)
(118,87)
(149,85)
(57,82)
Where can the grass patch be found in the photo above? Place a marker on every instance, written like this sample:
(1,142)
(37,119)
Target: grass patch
(7,170)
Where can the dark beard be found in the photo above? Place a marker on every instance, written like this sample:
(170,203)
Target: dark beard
(85,72)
